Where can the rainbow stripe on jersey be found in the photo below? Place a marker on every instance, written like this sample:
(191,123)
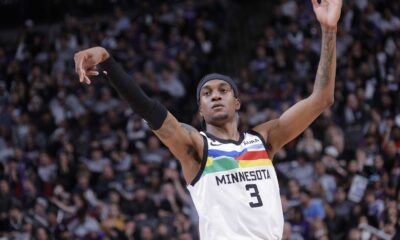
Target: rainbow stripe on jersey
(253,156)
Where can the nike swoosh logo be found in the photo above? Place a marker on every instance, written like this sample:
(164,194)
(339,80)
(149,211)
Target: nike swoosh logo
(215,144)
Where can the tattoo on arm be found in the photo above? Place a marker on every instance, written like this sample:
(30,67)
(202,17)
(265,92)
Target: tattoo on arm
(327,65)
(189,129)
(169,129)
(190,150)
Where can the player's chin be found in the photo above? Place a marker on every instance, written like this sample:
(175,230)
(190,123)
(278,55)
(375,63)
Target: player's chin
(219,116)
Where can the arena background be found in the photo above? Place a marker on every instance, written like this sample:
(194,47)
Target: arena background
(77,163)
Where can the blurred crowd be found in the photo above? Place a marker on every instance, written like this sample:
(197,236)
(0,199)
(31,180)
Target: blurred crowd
(77,163)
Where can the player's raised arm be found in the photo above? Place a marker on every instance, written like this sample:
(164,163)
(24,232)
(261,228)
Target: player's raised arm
(296,119)
(184,141)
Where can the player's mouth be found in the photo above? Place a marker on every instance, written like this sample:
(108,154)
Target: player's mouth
(217,106)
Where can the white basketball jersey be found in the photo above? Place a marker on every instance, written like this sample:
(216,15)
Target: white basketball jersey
(236,191)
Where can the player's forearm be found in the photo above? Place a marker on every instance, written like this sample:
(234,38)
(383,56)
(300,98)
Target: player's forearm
(152,111)
(325,79)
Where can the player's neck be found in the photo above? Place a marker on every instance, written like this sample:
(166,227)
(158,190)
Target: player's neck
(228,131)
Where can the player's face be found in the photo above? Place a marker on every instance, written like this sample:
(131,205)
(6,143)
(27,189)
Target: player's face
(218,103)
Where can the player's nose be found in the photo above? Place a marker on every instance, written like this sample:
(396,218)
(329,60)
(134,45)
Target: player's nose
(215,96)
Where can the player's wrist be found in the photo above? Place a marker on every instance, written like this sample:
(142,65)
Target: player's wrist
(329,29)
(104,55)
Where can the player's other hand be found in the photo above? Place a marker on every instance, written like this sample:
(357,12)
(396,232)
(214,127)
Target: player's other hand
(327,12)
(86,61)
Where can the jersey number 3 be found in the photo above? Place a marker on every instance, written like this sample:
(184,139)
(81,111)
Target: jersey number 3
(252,188)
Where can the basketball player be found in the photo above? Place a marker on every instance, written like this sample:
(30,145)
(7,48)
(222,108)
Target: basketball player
(230,174)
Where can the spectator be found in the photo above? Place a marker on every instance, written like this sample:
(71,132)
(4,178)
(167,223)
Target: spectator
(84,225)
(38,214)
(153,154)
(171,84)
(312,208)
(41,234)
(293,193)
(105,182)
(327,181)
(97,161)
(113,224)
(309,145)
(142,207)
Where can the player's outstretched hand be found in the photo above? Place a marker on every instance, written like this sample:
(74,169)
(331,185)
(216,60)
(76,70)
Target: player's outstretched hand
(327,12)
(86,61)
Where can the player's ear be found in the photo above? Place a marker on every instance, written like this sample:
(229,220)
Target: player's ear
(237,104)
(200,110)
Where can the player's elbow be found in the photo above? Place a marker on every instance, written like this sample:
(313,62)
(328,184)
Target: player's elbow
(326,103)
(329,101)
(323,102)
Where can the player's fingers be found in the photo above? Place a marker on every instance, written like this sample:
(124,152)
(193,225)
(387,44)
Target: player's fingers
(323,2)
(79,57)
(315,3)
(87,80)
(92,68)
(81,76)
(336,3)
(76,56)
(92,73)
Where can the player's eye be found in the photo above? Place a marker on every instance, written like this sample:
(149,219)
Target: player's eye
(224,90)
(206,93)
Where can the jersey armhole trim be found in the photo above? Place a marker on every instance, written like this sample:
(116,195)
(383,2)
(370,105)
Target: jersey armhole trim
(203,162)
